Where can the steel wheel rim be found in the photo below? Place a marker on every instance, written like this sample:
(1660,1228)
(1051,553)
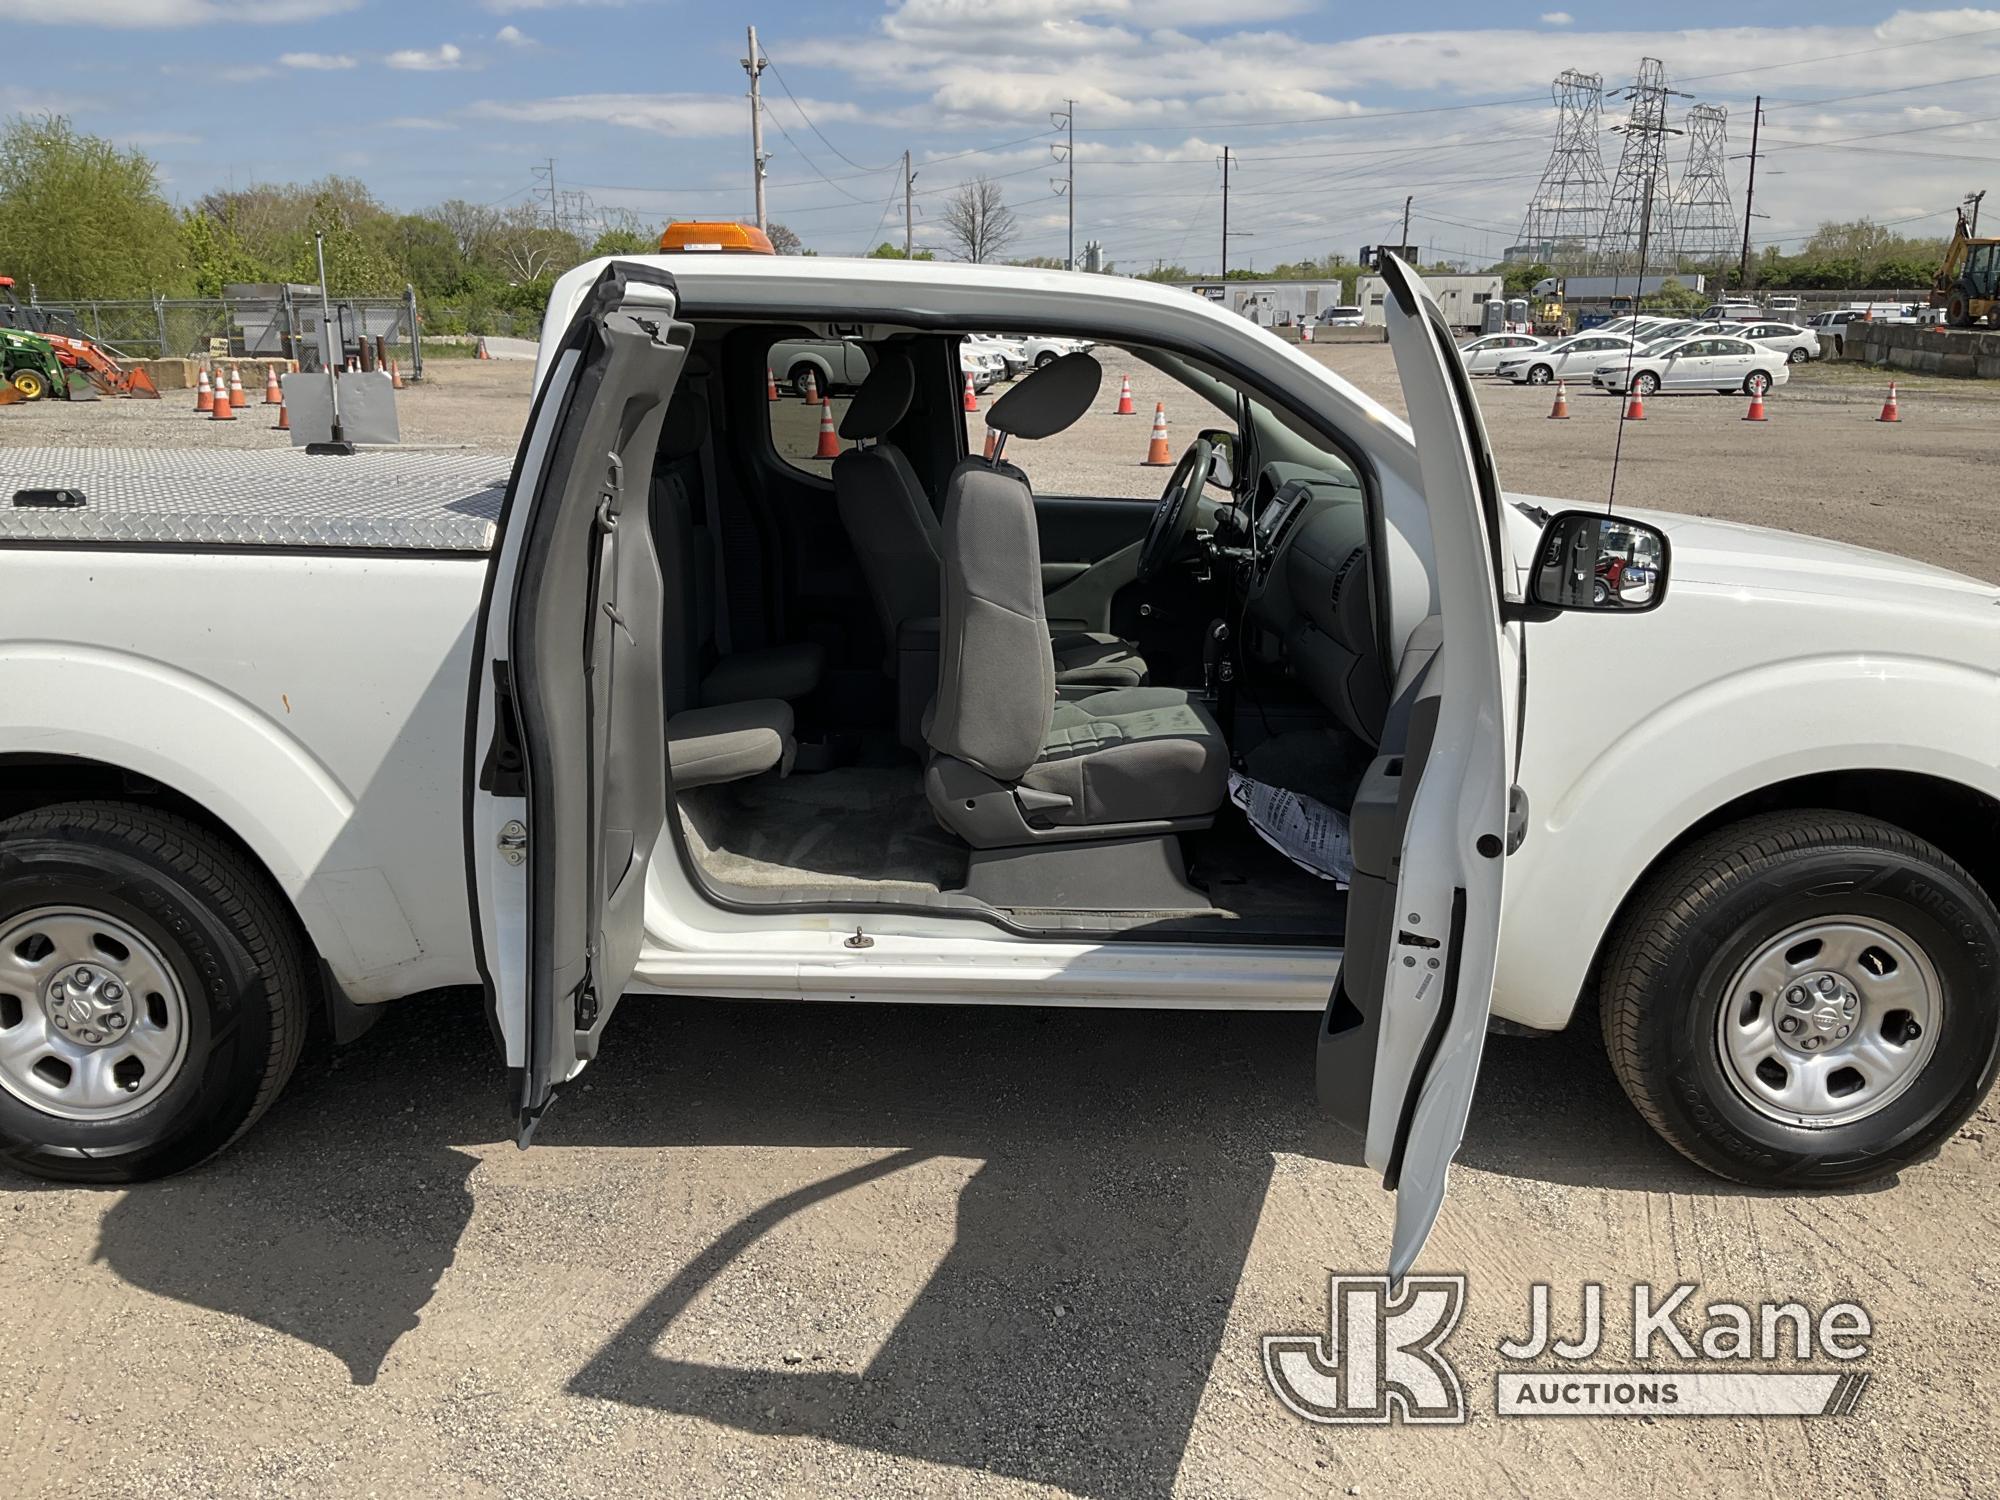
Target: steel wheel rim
(1830,1022)
(93,1020)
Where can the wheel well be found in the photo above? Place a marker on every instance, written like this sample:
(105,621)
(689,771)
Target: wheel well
(1961,821)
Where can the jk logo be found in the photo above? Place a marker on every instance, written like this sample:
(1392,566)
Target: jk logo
(1380,1357)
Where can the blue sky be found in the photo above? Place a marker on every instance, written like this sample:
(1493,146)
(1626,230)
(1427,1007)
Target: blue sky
(1333,113)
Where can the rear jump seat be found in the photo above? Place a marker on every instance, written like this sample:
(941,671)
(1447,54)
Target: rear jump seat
(729,742)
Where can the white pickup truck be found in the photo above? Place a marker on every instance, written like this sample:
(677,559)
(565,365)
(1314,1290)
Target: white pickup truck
(660,713)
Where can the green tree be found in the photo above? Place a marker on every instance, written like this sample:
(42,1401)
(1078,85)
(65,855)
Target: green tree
(214,256)
(81,218)
(355,265)
(887,251)
(1672,297)
(623,242)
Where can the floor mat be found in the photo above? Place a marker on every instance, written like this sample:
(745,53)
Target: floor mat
(860,825)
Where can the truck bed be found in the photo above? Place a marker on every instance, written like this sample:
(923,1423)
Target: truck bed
(280,499)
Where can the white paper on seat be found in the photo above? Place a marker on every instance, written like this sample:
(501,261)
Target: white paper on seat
(1306,831)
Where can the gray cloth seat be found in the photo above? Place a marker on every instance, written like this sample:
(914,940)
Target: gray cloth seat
(698,673)
(894,530)
(730,742)
(1011,764)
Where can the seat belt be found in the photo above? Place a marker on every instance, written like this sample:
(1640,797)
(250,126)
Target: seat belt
(711,500)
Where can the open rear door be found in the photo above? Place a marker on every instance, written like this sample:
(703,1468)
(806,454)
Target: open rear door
(1400,1046)
(569,756)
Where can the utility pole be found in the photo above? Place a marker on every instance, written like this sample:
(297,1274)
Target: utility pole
(1225,213)
(754,66)
(1749,194)
(1066,119)
(1973,201)
(1403,244)
(909,220)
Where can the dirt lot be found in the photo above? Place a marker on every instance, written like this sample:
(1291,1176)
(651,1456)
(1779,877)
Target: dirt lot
(939,1251)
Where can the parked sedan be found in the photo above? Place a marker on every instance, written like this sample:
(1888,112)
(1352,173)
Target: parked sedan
(1797,344)
(1481,355)
(1704,364)
(1566,359)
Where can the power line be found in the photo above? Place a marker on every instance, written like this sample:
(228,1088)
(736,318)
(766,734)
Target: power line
(864,171)
(1377,114)
(1954,36)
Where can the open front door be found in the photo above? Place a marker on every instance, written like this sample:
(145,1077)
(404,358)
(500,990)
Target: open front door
(569,738)
(1399,1048)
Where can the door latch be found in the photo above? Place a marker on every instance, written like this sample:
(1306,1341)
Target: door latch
(513,842)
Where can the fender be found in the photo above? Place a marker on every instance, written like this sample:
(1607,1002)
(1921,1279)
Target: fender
(1595,834)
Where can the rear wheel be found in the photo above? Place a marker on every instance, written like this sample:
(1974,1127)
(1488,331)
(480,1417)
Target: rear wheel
(152,993)
(1958,311)
(804,379)
(1756,383)
(1806,999)
(32,384)
(1796,357)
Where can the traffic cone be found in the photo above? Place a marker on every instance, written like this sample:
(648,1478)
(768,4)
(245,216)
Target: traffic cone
(971,402)
(1756,412)
(1305,333)
(1158,455)
(396,375)
(284,416)
(1890,413)
(221,411)
(1560,411)
(992,442)
(204,400)
(770,385)
(1125,406)
(1635,408)
(236,400)
(812,388)
(829,440)
(481,352)
(273,395)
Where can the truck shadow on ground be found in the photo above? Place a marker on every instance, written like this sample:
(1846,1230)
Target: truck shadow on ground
(1125,1161)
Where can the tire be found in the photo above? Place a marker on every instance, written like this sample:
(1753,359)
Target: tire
(1540,375)
(1045,359)
(802,377)
(229,979)
(1677,991)
(1796,357)
(1646,383)
(1756,383)
(32,384)
(1958,311)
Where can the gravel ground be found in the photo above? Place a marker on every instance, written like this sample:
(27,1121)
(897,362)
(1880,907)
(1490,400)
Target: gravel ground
(942,1251)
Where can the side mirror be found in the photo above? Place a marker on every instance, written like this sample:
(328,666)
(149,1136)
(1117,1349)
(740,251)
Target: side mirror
(1221,458)
(1590,561)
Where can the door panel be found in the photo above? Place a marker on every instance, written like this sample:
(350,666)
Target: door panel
(1090,551)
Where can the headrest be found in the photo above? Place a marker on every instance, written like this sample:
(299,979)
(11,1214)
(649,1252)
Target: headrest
(881,399)
(1048,400)
(685,427)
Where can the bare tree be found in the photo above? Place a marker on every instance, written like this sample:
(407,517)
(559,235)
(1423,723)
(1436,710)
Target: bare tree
(784,241)
(977,222)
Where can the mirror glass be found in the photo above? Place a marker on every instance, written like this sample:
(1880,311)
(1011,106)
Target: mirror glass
(1600,562)
(1222,458)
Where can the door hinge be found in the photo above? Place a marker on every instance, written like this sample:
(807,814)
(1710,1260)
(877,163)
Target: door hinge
(501,772)
(513,841)
(586,1003)
(1517,818)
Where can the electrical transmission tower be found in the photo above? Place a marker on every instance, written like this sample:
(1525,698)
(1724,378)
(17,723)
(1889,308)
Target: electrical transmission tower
(1704,215)
(1567,209)
(1638,221)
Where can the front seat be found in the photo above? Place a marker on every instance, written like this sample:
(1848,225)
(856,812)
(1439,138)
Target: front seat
(894,531)
(1066,803)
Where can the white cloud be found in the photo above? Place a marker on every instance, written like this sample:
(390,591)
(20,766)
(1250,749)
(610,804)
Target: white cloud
(160,14)
(439,60)
(420,122)
(513,36)
(660,114)
(1557,18)
(507,7)
(317,62)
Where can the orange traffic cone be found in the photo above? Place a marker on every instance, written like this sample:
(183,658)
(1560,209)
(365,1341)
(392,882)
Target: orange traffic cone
(236,389)
(1890,413)
(204,400)
(770,385)
(1635,408)
(396,375)
(992,442)
(481,352)
(971,402)
(1305,333)
(1158,455)
(1125,406)
(1560,411)
(284,416)
(273,395)
(221,411)
(1756,412)
(829,440)
(812,388)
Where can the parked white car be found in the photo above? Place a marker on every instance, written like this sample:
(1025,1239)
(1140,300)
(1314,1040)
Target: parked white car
(1012,353)
(1482,355)
(1797,344)
(1343,316)
(986,366)
(1711,363)
(283,733)
(1572,358)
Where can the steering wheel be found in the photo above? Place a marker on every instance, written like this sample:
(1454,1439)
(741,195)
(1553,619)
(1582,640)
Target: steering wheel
(1175,513)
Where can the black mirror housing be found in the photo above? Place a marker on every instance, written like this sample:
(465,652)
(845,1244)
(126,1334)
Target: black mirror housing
(1589,560)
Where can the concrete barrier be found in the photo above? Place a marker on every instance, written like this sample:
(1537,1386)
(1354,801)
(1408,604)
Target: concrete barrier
(1968,352)
(1366,334)
(180,374)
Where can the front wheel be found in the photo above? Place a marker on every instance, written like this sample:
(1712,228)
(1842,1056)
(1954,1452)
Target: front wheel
(152,993)
(1540,375)
(1645,382)
(1805,999)
(1045,359)
(32,384)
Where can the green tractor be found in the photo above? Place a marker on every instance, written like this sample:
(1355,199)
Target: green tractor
(29,369)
